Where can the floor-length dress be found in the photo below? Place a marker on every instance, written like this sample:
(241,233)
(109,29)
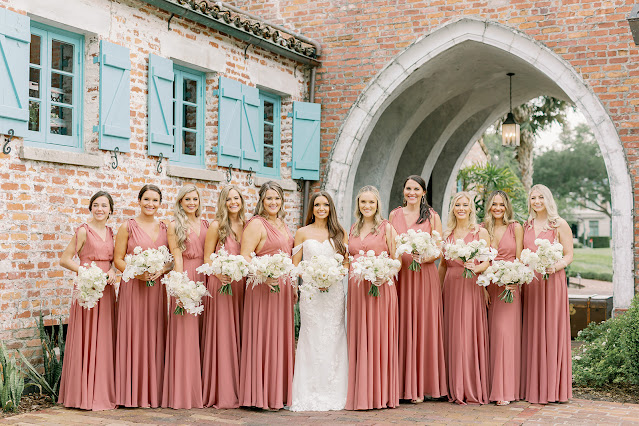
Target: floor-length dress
(182,373)
(87,380)
(465,334)
(139,350)
(546,360)
(268,335)
(422,368)
(320,380)
(373,369)
(221,339)
(504,329)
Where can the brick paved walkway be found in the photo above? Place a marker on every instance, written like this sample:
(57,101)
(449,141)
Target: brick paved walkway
(578,411)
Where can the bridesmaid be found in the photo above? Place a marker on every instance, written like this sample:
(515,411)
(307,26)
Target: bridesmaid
(221,329)
(504,319)
(422,369)
(546,362)
(373,373)
(87,374)
(139,349)
(182,374)
(465,324)
(268,332)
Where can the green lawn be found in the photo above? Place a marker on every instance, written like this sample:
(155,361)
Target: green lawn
(592,263)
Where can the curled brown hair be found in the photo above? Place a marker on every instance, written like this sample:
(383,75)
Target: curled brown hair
(335,231)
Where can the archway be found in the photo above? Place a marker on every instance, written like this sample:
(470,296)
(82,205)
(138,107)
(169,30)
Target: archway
(421,113)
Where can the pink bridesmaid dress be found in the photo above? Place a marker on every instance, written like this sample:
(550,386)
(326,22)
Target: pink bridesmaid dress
(422,368)
(465,334)
(182,374)
(504,327)
(546,364)
(221,334)
(139,350)
(373,368)
(87,380)
(268,335)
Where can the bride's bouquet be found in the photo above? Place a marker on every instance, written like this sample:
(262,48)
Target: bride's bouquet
(505,273)
(465,252)
(149,260)
(187,293)
(418,242)
(89,285)
(222,263)
(268,266)
(547,254)
(374,268)
(321,272)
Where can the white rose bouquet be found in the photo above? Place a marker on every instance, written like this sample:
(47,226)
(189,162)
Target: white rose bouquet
(222,263)
(90,285)
(149,260)
(376,269)
(188,294)
(474,250)
(547,254)
(504,273)
(320,272)
(268,266)
(420,243)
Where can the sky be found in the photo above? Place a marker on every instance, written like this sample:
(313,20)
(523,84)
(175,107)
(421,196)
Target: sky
(549,137)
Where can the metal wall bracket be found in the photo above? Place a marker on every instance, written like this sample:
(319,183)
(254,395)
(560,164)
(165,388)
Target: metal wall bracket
(169,23)
(158,167)
(250,176)
(6,149)
(229,176)
(114,156)
(245,49)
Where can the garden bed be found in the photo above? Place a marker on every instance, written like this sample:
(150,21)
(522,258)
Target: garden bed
(30,402)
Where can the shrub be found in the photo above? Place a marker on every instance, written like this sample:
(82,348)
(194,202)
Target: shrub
(630,340)
(600,242)
(11,382)
(591,275)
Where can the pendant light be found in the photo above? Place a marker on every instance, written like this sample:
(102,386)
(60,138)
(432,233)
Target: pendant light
(510,128)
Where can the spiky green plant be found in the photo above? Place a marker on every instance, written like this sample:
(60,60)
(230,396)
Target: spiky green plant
(11,382)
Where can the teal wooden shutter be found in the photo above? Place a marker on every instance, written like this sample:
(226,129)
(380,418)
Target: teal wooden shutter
(250,134)
(306,140)
(160,105)
(229,123)
(15,36)
(114,128)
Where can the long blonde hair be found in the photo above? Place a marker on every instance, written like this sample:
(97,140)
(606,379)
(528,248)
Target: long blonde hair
(452,219)
(359,217)
(549,202)
(259,208)
(181,221)
(222,214)
(489,219)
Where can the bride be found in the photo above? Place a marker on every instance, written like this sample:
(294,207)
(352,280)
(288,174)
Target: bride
(320,380)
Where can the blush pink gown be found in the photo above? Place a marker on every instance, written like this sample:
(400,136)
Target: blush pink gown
(87,380)
(422,368)
(139,349)
(546,360)
(465,334)
(182,373)
(268,335)
(221,340)
(504,327)
(373,367)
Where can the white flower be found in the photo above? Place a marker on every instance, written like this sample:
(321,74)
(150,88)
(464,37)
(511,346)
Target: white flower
(150,260)
(320,272)
(547,254)
(223,263)
(418,242)
(188,293)
(267,266)
(89,285)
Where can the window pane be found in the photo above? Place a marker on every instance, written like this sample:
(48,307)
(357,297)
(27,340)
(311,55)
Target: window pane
(189,115)
(34,56)
(268,156)
(268,134)
(190,91)
(61,56)
(34,83)
(268,111)
(61,88)
(34,116)
(61,121)
(189,143)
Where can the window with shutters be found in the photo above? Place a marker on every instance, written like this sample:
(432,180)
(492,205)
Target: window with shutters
(270,135)
(55,87)
(188,116)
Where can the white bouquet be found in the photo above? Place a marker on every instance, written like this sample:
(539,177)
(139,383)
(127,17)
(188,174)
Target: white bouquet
(232,265)
(373,268)
(268,266)
(188,293)
(150,260)
(90,285)
(418,242)
(474,250)
(547,254)
(321,272)
(505,273)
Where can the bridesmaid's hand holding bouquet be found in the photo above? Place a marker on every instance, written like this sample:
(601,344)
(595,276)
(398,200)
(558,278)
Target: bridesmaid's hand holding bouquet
(506,274)
(188,294)
(227,267)
(547,254)
(89,285)
(469,252)
(268,269)
(422,244)
(375,269)
(150,261)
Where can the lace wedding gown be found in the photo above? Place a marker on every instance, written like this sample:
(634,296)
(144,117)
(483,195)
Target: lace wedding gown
(320,380)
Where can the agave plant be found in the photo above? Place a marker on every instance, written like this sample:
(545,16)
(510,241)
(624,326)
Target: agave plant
(11,382)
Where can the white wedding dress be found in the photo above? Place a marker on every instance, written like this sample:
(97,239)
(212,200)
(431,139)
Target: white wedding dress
(320,380)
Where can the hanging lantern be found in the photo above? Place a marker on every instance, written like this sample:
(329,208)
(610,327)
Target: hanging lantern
(510,132)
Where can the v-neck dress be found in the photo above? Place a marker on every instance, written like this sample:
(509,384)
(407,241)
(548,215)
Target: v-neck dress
(139,356)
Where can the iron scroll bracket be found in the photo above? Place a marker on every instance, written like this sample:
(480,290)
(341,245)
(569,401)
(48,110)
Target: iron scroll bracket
(250,176)
(158,167)
(6,149)
(114,156)
(229,176)
(169,23)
